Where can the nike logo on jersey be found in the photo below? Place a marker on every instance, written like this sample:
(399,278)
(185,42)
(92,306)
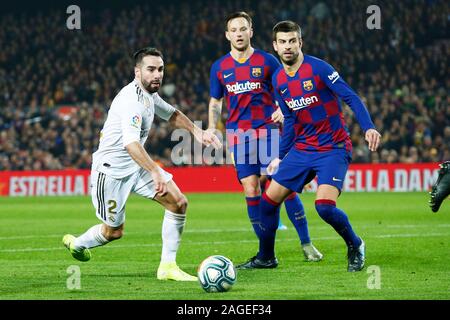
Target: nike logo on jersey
(283,91)
(227,75)
(336,179)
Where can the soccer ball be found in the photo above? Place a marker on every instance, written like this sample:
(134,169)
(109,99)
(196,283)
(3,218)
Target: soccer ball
(216,274)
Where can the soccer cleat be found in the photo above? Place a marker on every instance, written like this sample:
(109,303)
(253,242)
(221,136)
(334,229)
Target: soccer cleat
(256,263)
(81,255)
(441,189)
(311,253)
(356,257)
(170,271)
(281,226)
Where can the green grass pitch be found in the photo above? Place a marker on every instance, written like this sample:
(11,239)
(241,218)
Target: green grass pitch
(407,243)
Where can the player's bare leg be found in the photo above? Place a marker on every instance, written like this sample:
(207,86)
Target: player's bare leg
(251,186)
(175,204)
(276,192)
(326,198)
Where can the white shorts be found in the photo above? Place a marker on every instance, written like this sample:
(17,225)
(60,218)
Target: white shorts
(109,195)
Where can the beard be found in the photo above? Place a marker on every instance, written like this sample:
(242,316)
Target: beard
(149,86)
(243,48)
(292,60)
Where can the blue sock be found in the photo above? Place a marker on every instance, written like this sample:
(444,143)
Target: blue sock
(338,220)
(253,213)
(270,215)
(296,214)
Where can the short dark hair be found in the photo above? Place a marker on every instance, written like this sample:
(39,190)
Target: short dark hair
(239,14)
(147,51)
(286,26)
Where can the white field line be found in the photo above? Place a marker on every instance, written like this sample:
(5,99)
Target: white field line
(202,243)
(326,227)
(133,233)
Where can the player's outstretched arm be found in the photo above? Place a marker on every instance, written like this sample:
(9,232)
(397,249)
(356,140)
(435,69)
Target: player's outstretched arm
(138,153)
(334,81)
(206,137)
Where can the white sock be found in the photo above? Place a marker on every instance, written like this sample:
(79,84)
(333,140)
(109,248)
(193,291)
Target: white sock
(91,238)
(172,228)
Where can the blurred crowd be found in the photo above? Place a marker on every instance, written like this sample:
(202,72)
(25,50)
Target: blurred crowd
(401,71)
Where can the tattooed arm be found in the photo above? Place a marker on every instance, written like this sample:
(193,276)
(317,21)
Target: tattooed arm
(214,112)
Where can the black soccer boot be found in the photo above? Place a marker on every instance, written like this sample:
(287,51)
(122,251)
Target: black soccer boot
(441,189)
(356,257)
(256,263)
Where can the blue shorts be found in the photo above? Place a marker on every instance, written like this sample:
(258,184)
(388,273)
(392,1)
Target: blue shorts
(253,157)
(298,167)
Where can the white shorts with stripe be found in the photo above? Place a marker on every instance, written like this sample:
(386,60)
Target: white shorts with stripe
(110,195)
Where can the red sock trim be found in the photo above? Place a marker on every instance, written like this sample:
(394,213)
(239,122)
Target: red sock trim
(265,185)
(253,202)
(291,196)
(265,197)
(326,202)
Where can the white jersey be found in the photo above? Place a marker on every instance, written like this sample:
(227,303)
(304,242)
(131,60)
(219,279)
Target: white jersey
(129,119)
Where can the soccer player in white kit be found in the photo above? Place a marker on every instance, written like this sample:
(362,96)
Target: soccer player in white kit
(121,166)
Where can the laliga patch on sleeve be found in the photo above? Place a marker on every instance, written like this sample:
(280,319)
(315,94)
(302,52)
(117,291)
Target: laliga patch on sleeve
(136,121)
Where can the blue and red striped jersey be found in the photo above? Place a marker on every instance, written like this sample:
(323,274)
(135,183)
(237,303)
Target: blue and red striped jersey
(247,88)
(309,100)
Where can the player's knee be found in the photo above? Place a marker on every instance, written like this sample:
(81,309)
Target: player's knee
(182,204)
(252,190)
(179,205)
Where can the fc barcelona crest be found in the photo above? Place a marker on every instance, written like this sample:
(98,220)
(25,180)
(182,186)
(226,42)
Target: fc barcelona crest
(308,85)
(256,72)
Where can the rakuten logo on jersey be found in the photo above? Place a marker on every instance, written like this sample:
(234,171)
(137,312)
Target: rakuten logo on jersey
(301,103)
(243,87)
